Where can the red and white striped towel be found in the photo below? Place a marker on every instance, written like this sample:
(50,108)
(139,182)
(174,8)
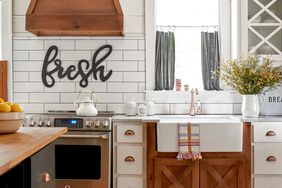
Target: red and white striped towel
(189,141)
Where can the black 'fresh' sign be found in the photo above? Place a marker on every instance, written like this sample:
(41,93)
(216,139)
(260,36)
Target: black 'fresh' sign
(72,72)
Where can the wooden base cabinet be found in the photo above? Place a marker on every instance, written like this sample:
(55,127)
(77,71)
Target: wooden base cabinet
(169,173)
(215,170)
(222,173)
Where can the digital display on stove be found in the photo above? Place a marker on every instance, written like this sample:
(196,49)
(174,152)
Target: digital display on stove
(68,122)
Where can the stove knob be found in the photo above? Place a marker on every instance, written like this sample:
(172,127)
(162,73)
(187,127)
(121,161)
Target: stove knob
(40,123)
(97,123)
(88,124)
(105,123)
(48,123)
(32,123)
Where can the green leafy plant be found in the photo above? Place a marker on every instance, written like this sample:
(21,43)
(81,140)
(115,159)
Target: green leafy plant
(250,76)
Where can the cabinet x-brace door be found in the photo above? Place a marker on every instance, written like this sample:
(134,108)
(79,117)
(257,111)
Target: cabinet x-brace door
(172,173)
(222,173)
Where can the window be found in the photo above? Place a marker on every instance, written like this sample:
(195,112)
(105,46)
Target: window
(191,17)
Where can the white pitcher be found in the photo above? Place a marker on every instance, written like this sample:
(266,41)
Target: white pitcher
(251,105)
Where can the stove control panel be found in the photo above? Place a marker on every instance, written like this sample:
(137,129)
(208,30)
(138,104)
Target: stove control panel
(71,122)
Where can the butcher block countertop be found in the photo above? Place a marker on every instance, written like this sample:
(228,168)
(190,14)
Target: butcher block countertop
(14,148)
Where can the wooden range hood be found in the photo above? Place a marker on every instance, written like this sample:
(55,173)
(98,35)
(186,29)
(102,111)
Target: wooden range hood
(75,18)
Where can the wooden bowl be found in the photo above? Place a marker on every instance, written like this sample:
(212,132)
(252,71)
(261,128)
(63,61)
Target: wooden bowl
(11,122)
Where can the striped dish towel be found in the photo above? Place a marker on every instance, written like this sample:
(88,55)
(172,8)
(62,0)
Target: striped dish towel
(189,141)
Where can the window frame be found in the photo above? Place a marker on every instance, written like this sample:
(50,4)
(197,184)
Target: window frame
(225,16)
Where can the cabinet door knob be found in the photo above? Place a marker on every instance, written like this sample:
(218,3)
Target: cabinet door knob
(270,133)
(271,158)
(129,159)
(129,133)
(45,177)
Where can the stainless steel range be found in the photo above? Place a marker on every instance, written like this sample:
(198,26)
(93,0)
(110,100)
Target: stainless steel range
(81,158)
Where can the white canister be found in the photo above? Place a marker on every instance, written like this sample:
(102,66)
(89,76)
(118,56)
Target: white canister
(130,108)
(150,108)
(142,110)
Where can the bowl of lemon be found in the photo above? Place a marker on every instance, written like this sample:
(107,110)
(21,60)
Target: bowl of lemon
(11,117)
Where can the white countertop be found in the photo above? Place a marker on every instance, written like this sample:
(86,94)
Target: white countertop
(209,118)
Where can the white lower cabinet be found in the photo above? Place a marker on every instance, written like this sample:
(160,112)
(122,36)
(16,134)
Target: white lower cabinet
(268,182)
(129,160)
(129,182)
(267,154)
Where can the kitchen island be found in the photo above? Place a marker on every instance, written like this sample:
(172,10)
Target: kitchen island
(16,148)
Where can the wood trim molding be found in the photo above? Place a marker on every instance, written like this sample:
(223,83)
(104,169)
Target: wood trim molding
(4,80)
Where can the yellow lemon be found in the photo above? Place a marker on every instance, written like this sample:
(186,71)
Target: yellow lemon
(16,108)
(2,100)
(9,103)
(5,107)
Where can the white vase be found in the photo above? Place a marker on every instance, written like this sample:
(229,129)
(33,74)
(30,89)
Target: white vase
(251,106)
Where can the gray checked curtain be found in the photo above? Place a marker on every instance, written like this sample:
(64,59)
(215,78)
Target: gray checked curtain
(165,60)
(210,59)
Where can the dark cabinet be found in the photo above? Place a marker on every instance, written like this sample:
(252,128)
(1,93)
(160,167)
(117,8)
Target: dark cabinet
(18,177)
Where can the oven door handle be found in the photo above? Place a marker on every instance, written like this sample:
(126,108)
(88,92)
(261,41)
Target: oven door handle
(104,136)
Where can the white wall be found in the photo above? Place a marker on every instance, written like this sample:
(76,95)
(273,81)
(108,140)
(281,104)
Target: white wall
(127,61)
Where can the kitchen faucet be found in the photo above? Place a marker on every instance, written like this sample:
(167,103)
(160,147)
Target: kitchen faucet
(194,92)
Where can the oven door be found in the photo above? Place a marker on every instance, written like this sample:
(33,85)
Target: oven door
(82,159)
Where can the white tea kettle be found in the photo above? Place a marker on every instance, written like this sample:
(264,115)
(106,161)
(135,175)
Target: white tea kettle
(86,107)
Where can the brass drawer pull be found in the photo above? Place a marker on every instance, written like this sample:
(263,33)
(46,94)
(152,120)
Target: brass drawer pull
(271,159)
(129,133)
(129,159)
(270,133)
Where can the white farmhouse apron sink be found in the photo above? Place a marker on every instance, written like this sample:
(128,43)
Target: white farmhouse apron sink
(217,133)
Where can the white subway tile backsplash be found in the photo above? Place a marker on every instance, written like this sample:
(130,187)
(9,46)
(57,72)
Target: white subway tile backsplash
(134,76)
(95,86)
(61,87)
(123,44)
(20,55)
(122,87)
(56,106)
(21,76)
(28,44)
(134,55)
(37,55)
(162,109)
(109,97)
(115,56)
(75,55)
(179,108)
(142,66)
(27,66)
(61,44)
(21,97)
(217,108)
(89,44)
(117,108)
(141,44)
(141,87)
(136,97)
(122,65)
(44,97)
(32,108)
(28,87)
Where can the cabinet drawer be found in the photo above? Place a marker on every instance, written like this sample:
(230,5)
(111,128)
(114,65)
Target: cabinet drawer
(267,132)
(272,182)
(268,159)
(130,133)
(129,159)
(129,182)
